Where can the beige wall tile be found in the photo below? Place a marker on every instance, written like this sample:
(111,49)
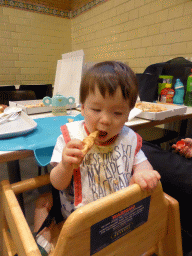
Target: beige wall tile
(187,8)
(140,52)
(155,6)
(7,64)
(179,48)
(8,56)
(32,42)
(189,49)
(167,26)
(140,32)
(144,10)
(159,39)
(6,49)
(147,31)
(146,41)
(139,3)
(153,29)
(183,22)
(176,11)
(164,50)
(133,14)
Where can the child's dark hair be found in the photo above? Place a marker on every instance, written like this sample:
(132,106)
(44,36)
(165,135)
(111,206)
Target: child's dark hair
(108,76)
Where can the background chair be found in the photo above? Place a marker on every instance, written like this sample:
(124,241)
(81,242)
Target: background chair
(148,91)
(6,96)
(40,90)
(7,88)
(157,135)
(159,233)
(147,85)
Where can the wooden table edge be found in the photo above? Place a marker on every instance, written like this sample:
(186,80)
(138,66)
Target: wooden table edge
(15,155)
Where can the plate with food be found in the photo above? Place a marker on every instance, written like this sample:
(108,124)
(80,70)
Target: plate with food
(31,106)
(159,111)
(21,125)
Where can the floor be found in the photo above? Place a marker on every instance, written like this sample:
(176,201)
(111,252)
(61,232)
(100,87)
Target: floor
(28,169)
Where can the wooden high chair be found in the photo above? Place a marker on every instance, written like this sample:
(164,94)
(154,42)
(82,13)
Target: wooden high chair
(128,222)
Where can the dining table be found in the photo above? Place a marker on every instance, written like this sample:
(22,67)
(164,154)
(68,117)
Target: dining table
(136,124)
(12,157)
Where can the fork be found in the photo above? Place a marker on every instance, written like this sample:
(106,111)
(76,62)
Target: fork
(10,117)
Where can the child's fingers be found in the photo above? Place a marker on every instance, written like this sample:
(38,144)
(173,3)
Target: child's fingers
(157,175)
(152,181)
(138,180)
(74,152)
(146,180)
(75,144)
(73,157)
(188,153)
(188,141)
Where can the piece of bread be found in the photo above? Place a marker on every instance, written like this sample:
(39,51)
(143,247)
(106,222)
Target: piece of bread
(70,120)
(89,141)
(88,144)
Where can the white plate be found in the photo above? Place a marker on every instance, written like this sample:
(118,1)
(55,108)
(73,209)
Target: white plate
(22,125)
(10,110)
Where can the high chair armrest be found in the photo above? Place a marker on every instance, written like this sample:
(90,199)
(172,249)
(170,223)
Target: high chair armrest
(30,184)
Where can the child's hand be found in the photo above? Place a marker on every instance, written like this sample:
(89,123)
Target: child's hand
(72,154)
(187,150)
(146,179)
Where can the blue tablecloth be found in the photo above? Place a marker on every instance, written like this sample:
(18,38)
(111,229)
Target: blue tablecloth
(41,140)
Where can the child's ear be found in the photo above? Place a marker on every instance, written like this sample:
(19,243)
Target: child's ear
(82,109)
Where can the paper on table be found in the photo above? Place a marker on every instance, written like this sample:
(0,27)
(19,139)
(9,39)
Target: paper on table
(133,113)
(68,75)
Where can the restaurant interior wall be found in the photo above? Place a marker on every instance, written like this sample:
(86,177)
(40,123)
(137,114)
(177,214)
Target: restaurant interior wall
(139,32)
(30,45)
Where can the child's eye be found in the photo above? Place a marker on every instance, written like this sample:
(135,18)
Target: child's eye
(118,113)
(96,109)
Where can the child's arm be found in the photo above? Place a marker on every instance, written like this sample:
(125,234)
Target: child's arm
(72,155)
(145,176)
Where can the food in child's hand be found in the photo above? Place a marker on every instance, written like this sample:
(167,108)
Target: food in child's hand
(88,144)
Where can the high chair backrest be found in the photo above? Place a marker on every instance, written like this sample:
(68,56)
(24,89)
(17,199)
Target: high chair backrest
(128,222)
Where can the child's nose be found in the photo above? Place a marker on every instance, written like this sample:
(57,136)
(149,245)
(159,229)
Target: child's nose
(105,119)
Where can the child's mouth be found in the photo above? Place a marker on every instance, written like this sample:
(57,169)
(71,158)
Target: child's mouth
(102,134)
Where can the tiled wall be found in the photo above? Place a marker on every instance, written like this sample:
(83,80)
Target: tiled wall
(139,32)
(30,45)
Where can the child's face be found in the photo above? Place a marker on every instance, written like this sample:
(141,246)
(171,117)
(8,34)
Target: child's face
(106,115)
